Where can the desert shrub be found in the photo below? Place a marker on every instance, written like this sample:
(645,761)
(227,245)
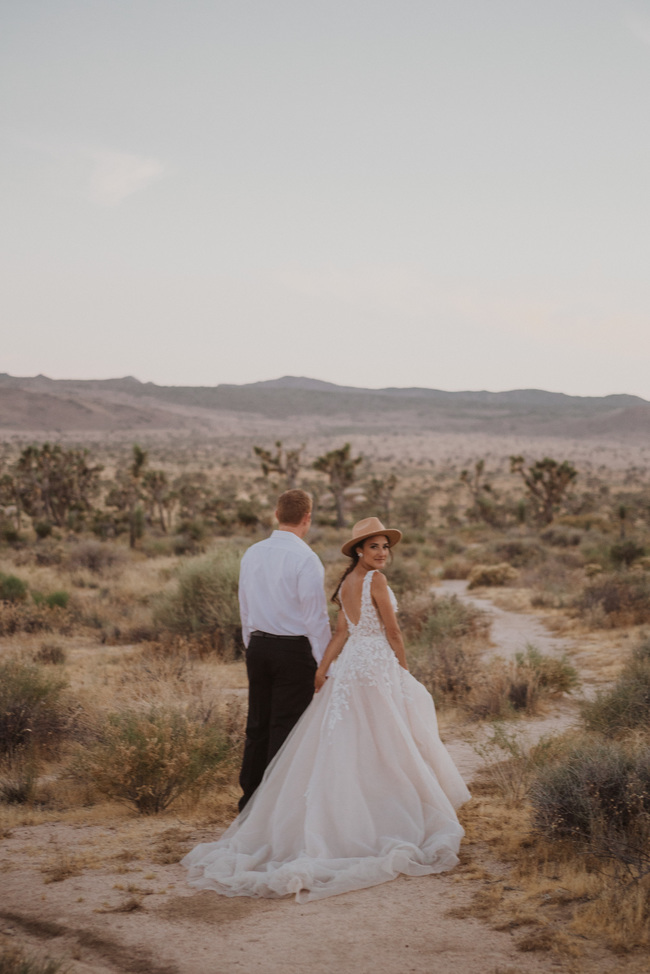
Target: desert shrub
(32,712)
(451,619)
(14,961)
(555,583)
(492,575)
(592,569)
(50,653)
(501,690)
(457,568)
(626,705)
(507,687)
(619,599)
(406,576)
(11,535)
(29,617)
(626,553)
(428,619)
(510,762)
(439,632)
(560,536)
(247,515)
(12,588)
(205,602)
(48,554)
(148,760)
(518,553)
(446,670)
(596,551)
(598,796)
(554,673)
(18,778)
(58,599)
(43,529)
(95,556)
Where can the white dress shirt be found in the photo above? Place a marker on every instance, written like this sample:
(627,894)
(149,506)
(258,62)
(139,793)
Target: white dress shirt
(281,591)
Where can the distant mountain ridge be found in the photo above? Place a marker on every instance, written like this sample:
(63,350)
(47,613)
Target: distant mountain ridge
(66,405)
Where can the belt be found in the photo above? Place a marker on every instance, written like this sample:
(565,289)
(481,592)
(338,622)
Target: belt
(273,635)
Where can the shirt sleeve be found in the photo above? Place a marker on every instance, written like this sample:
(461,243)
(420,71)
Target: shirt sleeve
(311,593)
(243,604)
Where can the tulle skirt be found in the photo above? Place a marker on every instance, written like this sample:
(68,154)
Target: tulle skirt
(356,795)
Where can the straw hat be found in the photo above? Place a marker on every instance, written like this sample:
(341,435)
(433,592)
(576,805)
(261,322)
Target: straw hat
(367,529)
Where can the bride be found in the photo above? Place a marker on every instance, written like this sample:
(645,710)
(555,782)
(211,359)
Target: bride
(362,789)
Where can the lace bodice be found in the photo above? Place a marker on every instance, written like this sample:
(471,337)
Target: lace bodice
(367,657)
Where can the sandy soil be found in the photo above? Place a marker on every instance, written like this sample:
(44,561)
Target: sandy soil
(78,893)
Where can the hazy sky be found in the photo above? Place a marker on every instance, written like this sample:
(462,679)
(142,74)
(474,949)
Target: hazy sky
(443,193)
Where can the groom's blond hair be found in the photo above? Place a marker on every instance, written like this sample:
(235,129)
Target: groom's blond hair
(292,506)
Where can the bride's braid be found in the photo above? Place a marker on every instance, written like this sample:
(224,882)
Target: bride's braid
(354,561)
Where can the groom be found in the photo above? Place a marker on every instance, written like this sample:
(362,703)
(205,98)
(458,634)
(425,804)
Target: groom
(285,628)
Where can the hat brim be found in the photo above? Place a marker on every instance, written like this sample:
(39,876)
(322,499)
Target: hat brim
(393,535)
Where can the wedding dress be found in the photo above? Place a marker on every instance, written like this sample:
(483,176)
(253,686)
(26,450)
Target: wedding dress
(362,789)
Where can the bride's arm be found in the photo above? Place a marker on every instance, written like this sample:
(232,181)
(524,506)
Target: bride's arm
(381,598)
(335,645)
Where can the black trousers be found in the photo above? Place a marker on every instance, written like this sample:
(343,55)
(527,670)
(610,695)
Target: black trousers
(280,687)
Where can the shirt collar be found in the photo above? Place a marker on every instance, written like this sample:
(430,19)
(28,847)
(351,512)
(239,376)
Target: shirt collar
(282,535)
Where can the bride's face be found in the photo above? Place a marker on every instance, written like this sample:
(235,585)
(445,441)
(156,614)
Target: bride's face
(374,553)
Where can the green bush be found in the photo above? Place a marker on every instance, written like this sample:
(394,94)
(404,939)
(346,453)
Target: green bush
(12,588)
(57,599)
(43,529)
(450,620)
(148,760)
(626,705)
(205,602)
(598,796)
(32,713)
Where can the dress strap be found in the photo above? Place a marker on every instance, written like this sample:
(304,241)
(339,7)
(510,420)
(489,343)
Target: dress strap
(365,588)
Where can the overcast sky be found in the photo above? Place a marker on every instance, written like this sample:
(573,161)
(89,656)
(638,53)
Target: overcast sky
(443,193)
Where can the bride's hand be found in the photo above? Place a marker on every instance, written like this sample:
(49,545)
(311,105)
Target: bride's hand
(319,680)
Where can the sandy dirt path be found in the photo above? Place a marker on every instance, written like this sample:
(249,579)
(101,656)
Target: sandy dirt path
(118,915)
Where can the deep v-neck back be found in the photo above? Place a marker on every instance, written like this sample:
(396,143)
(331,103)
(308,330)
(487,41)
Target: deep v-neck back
(365,602)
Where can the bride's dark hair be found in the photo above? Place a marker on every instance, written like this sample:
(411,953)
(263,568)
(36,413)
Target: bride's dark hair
(354,561)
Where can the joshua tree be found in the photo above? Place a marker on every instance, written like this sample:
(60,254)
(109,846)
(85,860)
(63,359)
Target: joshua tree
(341,470)
(480,490)
(380,494)
(547,482)
(284,462)
(126,494)
(48,483)
(156,487)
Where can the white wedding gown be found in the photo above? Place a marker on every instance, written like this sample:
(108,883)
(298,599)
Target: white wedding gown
(361,791)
